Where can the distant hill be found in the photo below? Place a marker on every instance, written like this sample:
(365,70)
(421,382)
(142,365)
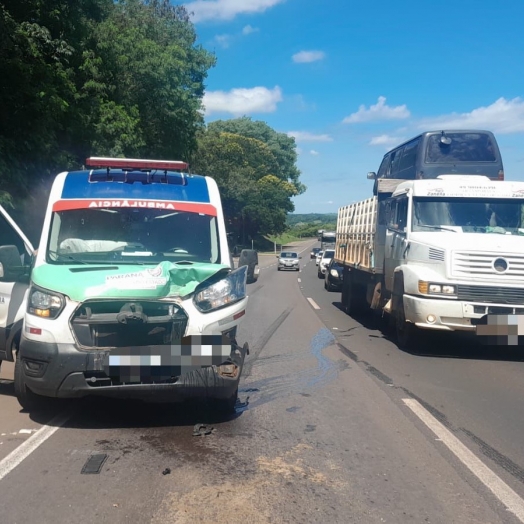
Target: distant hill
(294,219)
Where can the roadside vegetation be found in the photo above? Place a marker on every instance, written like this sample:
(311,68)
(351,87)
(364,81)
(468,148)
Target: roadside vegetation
(126,78)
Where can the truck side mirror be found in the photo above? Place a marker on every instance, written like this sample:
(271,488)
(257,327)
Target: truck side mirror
(12,268)
(372,175)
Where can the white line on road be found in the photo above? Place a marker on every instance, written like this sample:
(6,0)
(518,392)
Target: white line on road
(313,303)
(491,480)
(26,448)
(299,279)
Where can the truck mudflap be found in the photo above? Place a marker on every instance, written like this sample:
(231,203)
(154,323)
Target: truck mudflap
(168,373)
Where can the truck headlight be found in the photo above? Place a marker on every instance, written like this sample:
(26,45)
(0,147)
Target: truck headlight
(430,288)
(45,304)
(222,293)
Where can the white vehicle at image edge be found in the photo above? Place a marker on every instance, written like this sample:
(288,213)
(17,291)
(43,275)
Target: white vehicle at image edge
(288,260)
(130,295)
(327,255)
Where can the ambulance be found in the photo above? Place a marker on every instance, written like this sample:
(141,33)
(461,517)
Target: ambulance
(131,293)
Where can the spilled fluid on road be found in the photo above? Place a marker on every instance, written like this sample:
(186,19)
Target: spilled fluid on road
(259,392)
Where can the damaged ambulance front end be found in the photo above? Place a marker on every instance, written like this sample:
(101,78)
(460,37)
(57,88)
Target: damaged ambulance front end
(132,292)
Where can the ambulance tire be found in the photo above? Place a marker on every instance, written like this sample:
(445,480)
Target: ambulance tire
(26,398)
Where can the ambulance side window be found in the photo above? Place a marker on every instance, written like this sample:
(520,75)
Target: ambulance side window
(9,237)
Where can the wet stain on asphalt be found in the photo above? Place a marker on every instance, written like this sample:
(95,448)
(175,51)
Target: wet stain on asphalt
(276,387)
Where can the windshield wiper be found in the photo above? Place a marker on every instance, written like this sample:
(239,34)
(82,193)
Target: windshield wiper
(57,256)
(439,228)
(61,257)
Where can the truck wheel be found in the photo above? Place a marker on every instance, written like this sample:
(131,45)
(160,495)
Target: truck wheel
(353,299)
(406,332)
(26,398)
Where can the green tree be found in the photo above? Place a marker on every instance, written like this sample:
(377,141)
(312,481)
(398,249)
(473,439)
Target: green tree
(147,65)
(93,77)
(255,200)
(281,145)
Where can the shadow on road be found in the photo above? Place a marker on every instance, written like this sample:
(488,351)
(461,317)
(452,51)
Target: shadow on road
(460,345)
(108,413)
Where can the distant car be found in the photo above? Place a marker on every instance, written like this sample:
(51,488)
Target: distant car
(314,252)
(318,256)
(333,276)
(288,260)
(324,261)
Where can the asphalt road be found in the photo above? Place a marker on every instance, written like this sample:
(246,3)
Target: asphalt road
(334,424)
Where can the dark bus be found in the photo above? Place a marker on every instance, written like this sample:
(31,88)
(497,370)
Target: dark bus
(434,153)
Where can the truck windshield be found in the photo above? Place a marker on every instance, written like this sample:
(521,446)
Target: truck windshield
(127,235)
(469,215)
(462,147)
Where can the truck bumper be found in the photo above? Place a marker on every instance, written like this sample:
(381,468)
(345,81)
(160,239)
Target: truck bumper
(63,371)
(444,315)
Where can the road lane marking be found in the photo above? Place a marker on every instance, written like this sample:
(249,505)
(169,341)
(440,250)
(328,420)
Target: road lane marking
(313,303)
(26,448)
(491,480)
(299,279)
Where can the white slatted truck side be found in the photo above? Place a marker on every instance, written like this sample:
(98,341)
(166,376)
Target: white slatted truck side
(443,254)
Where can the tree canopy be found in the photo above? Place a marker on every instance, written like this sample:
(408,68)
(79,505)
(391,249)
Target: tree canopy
(126,78)
(254,167)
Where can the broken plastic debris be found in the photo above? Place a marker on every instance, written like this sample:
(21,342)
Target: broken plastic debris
(202,429)
(167,471)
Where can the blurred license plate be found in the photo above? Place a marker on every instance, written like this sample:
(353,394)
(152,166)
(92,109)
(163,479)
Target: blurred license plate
(135,360)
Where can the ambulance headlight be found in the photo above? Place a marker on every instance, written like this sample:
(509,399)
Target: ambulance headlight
(45,304)
(223,293)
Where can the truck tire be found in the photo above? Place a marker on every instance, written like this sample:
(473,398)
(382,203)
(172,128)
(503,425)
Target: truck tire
(407,334)
(353,297)
(26,398)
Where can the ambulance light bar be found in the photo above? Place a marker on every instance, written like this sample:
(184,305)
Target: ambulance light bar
(135,163)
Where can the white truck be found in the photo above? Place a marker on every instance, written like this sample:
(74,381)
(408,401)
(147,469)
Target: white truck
(441,254)
(132,292)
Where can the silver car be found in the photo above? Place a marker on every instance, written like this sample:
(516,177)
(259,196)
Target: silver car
(288,260)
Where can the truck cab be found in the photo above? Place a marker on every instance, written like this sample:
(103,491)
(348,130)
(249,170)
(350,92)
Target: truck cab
(132,292)
(453,251)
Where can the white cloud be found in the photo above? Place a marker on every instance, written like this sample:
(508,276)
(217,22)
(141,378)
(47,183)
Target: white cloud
(223,40)
(242,101)
(226,9)
(379,111)
(503,117)
(306,136)
(247,30)
(308,56)
(386,140)
(314,153)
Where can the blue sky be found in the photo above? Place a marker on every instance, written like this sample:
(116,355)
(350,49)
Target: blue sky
(349,79)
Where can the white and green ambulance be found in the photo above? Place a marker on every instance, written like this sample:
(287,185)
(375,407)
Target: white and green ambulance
(131,293)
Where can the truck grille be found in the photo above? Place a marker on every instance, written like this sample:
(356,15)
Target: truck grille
(114,324)
(482,264)
(493,295)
